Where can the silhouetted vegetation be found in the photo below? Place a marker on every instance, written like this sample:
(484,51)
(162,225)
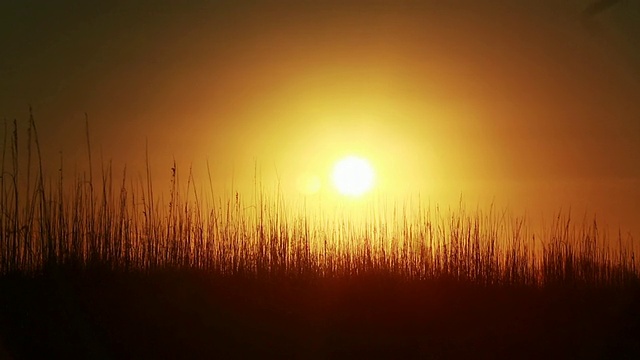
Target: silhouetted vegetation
(102,265)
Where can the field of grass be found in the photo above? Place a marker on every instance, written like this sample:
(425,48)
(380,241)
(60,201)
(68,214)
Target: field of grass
(101,265)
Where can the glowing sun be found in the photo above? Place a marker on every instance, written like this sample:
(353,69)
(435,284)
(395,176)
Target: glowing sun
(353,176)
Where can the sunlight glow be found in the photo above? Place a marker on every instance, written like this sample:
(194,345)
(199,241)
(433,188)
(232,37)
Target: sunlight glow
(308,184)
(353,176)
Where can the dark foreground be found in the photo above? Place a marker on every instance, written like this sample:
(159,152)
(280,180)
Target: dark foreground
(186,315)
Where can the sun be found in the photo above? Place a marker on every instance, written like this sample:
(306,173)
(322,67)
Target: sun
(353,176)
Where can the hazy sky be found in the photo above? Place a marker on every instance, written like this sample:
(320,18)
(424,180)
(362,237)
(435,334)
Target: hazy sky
(534,103)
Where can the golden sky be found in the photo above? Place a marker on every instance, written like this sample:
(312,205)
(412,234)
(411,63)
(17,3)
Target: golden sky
(533,104)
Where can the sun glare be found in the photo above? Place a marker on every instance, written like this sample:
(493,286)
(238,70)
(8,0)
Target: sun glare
(353,176)
(308,184)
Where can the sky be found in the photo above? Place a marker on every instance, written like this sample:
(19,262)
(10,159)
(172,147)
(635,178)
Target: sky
(534,105)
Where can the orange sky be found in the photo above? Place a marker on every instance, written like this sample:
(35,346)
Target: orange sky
(526,103)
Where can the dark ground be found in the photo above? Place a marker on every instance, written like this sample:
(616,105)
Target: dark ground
(187,315)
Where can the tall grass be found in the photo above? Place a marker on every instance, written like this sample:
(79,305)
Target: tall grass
(108,221)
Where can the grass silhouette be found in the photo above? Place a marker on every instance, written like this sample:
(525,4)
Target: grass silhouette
(101,266)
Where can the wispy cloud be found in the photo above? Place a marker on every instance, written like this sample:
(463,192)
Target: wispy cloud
(599,6)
